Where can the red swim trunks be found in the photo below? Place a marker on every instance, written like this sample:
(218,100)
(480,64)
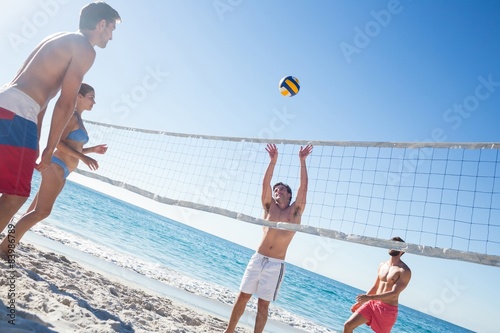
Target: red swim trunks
(18,142)
(381,316)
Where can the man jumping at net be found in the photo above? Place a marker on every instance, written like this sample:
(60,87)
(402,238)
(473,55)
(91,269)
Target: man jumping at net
(378,308)
(266,268)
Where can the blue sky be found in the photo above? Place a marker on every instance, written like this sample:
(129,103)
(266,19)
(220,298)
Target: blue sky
(369,71)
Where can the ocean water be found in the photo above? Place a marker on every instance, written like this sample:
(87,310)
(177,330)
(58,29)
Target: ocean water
(201,263)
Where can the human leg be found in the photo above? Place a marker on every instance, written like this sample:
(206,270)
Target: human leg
(32,204)
(238,310)
(379,316)
(271,277)
(354,321)
(50,187)
(18,151)
(262,313)
(9,205)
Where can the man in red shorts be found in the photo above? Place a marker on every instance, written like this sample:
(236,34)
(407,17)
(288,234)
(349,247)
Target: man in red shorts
(57,65)
(378,308)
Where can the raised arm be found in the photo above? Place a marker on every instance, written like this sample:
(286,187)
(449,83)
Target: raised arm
(300,200)
(267,191)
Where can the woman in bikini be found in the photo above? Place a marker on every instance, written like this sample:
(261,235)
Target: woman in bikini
(65,159)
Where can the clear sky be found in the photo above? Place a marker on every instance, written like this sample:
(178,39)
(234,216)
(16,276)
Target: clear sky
(369,71)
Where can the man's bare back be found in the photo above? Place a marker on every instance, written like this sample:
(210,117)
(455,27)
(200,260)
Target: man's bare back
(57,65)
(41,76)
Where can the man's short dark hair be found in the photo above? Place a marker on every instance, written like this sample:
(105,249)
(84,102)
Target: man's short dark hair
(288,189)
(398,239)
(95,12)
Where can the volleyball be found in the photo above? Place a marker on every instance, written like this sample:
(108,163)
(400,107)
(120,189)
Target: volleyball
(289,86)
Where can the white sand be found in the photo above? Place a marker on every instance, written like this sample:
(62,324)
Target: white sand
(54,294)
(57,294)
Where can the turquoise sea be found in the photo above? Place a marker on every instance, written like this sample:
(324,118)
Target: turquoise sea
(201,263)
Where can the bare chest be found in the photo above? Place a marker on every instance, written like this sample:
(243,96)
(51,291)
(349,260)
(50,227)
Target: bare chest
(389,274)
(276,214)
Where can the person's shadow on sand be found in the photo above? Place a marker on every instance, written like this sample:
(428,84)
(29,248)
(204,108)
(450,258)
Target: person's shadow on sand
(22,322)
(26,322)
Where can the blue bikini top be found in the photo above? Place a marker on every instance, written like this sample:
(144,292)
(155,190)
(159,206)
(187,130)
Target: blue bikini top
(80,134)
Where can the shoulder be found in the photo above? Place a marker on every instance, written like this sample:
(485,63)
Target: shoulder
(71,41)
(404,269)
(381,265)
(79,41)
(296,208)
(73,121)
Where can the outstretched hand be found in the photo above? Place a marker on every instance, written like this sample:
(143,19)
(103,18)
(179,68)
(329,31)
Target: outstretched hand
(273,151)
(362,298)
(100,149)
(91,163)
(304,152)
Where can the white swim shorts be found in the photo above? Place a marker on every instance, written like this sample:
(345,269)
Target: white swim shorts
(263,277)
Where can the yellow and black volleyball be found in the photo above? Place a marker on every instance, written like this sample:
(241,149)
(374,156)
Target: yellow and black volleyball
(289,86)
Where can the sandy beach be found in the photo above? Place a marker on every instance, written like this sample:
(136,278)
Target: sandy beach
(54,294)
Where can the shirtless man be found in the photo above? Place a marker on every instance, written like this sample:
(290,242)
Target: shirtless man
(378,308)
(265,271)
(57,64)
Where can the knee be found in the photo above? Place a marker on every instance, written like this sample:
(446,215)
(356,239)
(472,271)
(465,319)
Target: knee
(263,305)
(41,213)
(349,326)
(243,298)
(11,203)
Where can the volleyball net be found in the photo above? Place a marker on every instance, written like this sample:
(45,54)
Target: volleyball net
(443,199)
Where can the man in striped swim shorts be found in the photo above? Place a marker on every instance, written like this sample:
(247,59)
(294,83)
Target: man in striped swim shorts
(57,64)
(266,268)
